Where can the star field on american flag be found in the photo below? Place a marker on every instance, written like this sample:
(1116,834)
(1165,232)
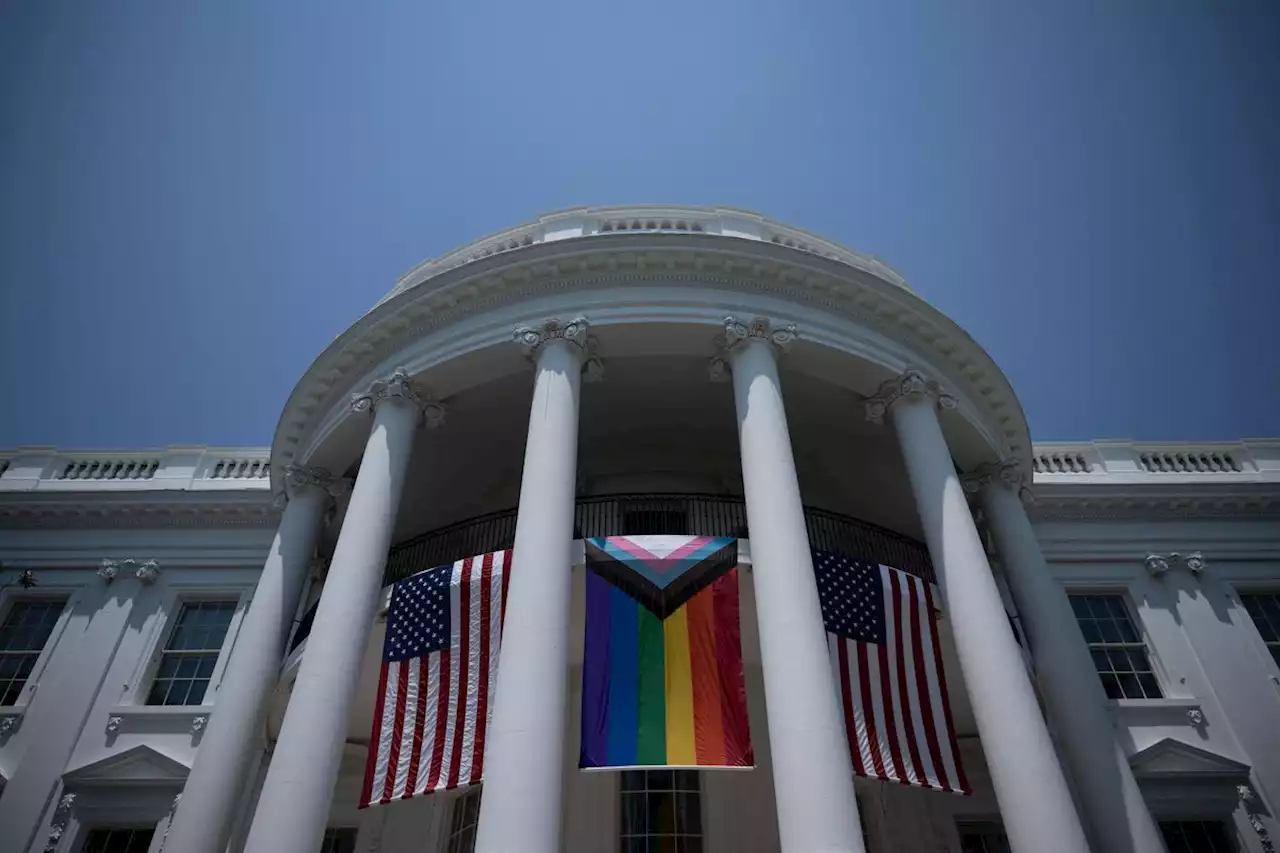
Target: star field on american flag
(852,597)
(418,620)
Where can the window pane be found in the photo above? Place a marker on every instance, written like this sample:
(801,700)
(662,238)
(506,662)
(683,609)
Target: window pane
(661,812)
(688,813)
(1196,836)
(135,840)
(633,811)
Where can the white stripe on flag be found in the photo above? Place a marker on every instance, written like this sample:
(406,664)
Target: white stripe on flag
(405,756)
(875,681)
(908,599)
(893,638)
(388,729)
(429,723)
(475,626)
(455,642)
(928,628)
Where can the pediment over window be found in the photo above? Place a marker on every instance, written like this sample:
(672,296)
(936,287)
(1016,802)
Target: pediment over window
(1171,758)
(140,765)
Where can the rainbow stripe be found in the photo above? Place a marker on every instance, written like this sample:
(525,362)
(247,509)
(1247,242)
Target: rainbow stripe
(664,691)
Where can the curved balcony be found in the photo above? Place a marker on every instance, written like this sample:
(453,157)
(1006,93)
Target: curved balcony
(639,514)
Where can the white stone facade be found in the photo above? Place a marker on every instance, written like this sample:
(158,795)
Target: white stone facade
(852,413)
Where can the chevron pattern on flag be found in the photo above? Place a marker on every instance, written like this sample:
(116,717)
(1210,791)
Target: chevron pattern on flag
(439,665)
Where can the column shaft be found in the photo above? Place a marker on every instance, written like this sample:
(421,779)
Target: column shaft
(812,774)
(525,743)
(1109,794)
(1035,802)
(294,805)
(203,821)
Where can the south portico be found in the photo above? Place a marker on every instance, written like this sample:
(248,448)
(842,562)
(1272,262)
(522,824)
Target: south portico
(523,803)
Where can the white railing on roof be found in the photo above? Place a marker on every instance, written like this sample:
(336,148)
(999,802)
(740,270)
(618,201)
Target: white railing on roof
(50,469)
(1153,462)
(591,221)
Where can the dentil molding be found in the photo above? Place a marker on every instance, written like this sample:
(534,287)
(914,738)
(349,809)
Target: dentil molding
(911,385)
(556,269)
(398,388)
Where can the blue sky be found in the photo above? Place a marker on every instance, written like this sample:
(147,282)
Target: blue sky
(195,198)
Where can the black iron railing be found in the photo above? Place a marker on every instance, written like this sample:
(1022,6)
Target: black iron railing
(694,515)
(639,514)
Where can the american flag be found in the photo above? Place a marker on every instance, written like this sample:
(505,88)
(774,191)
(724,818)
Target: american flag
(439,664)
(883,638)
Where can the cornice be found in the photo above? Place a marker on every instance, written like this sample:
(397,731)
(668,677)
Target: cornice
(1114,503)
(137,510)
(647,259)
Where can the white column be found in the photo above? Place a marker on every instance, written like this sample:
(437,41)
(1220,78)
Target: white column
(294,804)
(1110,798)
(525,743)
(203,821)
(1035,803)
(812,773)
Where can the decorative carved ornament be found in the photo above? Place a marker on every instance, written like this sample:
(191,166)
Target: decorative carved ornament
(397,387)
(1008,472)
(198,724)
(1195,716)
(1249,799)
(1158,565)
(113,724)
(147,571)
(58,823)
(7,725)
(911,385)
(533,338)
(299,477)
(738,332)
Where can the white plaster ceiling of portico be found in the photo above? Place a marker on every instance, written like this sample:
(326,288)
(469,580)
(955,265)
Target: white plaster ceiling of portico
(656,424)
(453,330)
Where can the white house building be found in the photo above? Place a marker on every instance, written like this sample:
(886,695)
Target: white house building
(190,638)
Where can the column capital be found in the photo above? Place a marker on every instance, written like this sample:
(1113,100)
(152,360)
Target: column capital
(1008,473)
(399,388)
(738,332)
(533,338)
(912,384)
(299,478)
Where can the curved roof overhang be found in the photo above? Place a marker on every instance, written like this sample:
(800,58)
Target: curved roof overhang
(659,277)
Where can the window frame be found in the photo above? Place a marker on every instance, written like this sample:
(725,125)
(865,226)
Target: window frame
(175,599)
(82,843)
(1140,628)
(70,596)
(1229,829)
(1237,595)
(674,790)
(985,825)
(340,828)
(448,832)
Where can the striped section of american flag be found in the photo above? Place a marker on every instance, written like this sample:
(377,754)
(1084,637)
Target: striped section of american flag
(439,665)
(883,638)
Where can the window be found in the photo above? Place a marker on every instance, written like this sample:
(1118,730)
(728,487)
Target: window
(982,836)
(135,840)
(339,839)
(191,653)
(661,812)
(1265,610)
(466,814)
(1119,654)
(1196,836)
(23,634)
